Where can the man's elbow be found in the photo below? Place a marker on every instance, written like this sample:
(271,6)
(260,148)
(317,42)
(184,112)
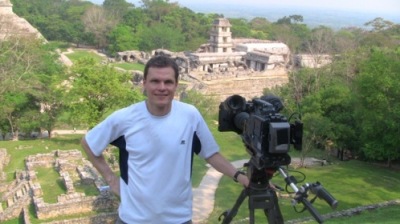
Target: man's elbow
(213,157)
(86,147)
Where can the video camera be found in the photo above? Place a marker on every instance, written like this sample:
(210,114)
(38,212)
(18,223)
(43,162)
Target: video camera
(267,136)
(266,133)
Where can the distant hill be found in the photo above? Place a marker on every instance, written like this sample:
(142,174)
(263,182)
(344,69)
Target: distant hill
(335,19)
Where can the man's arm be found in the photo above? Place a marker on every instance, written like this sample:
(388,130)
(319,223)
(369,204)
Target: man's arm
(224,166)
(104,169)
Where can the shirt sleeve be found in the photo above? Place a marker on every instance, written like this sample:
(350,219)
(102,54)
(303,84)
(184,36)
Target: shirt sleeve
(99,137)
(208,144)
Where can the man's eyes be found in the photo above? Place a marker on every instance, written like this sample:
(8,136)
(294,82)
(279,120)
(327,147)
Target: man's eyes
(166,82)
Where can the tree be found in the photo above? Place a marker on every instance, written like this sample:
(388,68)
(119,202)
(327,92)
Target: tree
(379,24)
(240,27)
(345,40)
(324,100)
(337,105)
(18,61)
(13,107)
(97,21)
(121,38)
(320,41)
(157,9)
(55,19)
(28,69)
(117,8)
(160,36)
(290,19)
(74,28)
(96,90)
(320,44)
(378,110)
(286,33)
(291,31)
(194,27)
(260,28)
(52,107)
(135,18)
(259,23)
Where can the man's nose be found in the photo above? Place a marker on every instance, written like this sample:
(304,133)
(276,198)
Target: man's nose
(161,85)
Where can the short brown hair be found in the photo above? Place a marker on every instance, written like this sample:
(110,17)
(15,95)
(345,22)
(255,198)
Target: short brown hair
(161,61)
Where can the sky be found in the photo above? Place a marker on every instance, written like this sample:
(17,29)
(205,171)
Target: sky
(390,6)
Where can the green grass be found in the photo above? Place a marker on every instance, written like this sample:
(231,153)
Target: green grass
(79,54)
(62,46)
(51,183)
(88,190)
(387,215)
(352,183)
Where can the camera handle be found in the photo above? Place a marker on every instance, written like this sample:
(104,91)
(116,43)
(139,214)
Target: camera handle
(301,195)
(262,196)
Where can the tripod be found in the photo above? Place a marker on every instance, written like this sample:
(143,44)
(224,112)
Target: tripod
(260,196)
(263,196)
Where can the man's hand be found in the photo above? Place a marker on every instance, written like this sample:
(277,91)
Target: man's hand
(113,182)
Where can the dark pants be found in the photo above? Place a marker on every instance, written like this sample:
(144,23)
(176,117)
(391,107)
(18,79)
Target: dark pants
(119,221)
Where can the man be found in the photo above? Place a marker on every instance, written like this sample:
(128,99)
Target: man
(156,139)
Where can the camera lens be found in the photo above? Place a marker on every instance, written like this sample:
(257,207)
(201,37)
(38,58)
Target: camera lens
(236,102)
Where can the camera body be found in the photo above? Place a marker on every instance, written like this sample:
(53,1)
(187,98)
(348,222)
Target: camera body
(266,133)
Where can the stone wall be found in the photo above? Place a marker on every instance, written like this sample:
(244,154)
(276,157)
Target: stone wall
(25,189)
(312,61)
(75,203)
(4,160)
(104,218)
(248,86)
(16,200)
(40,160)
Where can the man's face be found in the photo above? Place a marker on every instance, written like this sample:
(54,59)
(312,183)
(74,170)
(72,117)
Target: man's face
(160,86)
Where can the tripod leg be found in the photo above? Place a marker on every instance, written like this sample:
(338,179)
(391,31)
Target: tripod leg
(229,214)
(251,216)
(274,213)
(259,199)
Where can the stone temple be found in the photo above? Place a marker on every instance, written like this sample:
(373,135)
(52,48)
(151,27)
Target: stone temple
(13,25)
(225,66)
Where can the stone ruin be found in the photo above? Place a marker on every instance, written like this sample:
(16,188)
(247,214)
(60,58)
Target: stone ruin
(11,24)
(4,160)
(312,61)
(26,190)
(225,65)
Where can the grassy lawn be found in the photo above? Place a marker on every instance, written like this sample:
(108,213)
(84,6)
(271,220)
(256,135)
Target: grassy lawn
(387,215)
(48,179)
(352,183)
(79,54)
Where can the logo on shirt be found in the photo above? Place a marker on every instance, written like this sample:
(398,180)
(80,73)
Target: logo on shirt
(183,142)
